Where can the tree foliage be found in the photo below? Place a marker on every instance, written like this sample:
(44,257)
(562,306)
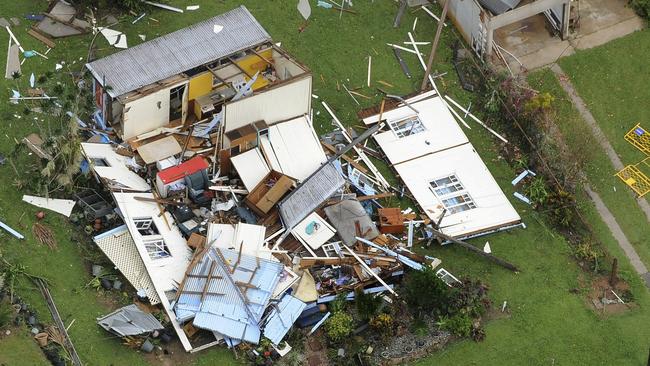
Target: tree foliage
(424,292)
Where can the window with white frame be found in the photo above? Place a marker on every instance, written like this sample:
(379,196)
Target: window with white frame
(156,248)
(407,127)
(146,226)
(153,241)
(453,195)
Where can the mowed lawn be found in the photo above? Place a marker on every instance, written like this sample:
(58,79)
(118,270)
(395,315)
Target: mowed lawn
(548,324)
(595,163)
(614,80)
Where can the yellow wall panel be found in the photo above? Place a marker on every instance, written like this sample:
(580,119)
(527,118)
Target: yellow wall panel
(200,84)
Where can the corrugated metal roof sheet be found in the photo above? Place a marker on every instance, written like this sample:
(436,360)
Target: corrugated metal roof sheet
(309,195)
(222,309)
(282,317)
(179,51)
(129,321)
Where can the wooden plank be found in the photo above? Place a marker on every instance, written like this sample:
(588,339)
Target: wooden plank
(41,37)
(365,266)
(376,196)
(346,158)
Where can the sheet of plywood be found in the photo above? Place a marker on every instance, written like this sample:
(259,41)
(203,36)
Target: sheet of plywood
(159,149)
(296,147)
(251,167)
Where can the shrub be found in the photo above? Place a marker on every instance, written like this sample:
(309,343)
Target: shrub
(588,252)
(338,326)
(6,314)
(367,304)
(424,292)
(470,299)
(537,192)
(561,208)
(339,303)
(382,323)
(459,324)
(642,7)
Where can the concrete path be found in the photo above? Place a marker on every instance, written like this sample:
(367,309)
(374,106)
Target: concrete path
(595,130)
(602,209)
(620,237)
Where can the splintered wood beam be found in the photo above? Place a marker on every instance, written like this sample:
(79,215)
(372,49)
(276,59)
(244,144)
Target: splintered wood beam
(207,281)
(358,166)
(478,251)
(369,270)
(376,196)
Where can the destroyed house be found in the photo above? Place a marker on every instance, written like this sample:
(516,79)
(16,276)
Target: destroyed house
(440,167)
(225,68)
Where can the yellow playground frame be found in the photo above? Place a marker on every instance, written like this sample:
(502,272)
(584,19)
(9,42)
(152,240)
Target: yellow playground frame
(634,175)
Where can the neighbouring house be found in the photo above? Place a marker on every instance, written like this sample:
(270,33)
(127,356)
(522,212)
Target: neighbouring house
(442,170)
(527,34)
(225,66)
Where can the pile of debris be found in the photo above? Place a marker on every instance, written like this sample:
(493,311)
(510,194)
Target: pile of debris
(234,216)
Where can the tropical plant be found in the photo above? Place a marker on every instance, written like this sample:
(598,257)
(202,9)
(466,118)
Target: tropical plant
(460,324)
(537,192)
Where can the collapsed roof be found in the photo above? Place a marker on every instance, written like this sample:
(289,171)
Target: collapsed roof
(226,292)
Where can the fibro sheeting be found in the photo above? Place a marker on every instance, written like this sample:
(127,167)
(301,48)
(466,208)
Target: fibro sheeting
(437,150)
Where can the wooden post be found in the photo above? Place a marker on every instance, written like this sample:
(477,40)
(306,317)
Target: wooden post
(436,39)
(613,277)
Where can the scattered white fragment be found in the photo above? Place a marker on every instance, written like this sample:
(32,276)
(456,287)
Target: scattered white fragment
(193,7)
(218,28)
(114,38)
(486,248)
(64,207)
(142,37)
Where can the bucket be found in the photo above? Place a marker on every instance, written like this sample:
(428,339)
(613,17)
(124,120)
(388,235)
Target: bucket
(147,346)
(41,338)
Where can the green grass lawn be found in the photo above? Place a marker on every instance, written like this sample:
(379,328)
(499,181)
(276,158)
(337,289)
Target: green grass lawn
(613,81)
(20,348)
(596,164)
(547,321)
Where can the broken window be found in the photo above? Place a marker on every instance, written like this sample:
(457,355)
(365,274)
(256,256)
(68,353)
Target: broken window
(146,226)
(99,162)
(156,248)
(407,127)
(452,194)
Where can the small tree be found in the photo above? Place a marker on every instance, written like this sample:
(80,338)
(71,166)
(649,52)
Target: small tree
(367,304)
(424,292)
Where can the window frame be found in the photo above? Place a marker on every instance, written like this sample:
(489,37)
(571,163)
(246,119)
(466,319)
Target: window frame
(159,247)
(452,194)
(401,132)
